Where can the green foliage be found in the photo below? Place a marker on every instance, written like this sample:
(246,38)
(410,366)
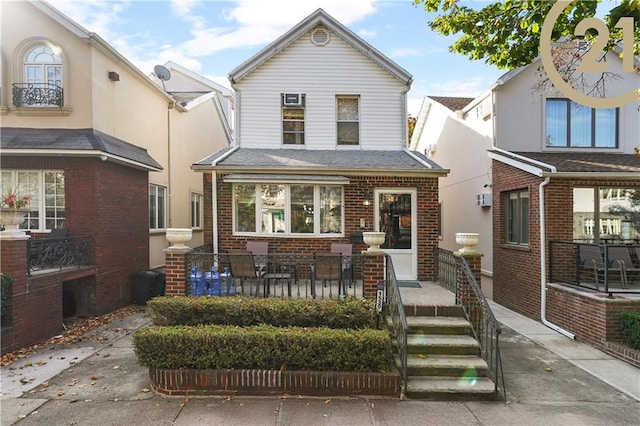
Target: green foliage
(507,33)
(263,347)
(352,313)
(630,324)
(5,292)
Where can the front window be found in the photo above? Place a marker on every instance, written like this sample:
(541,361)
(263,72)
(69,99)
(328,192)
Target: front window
(348,120)
(287,209)
(196,210)
(606,214)
(516,206)
(46,191)
(157,206)
(293,118)
(571,125)
(42,84)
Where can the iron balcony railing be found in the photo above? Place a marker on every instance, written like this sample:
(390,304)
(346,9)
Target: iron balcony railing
(453,272)
(606,268)
(44,254)
(37,94)
(397,317)
(281,275)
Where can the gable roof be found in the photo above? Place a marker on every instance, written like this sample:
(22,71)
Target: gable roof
(318,162)
(572,164)
(319,17)
(451,102)
(74,142)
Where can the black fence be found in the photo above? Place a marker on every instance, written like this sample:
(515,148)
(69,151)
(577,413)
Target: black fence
(57,253)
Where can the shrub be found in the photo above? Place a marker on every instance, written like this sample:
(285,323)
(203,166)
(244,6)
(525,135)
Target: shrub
(263,347)
(5,292)
(352,313)
(630,324)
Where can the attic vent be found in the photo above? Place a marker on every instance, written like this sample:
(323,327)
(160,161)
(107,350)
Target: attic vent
(320,36)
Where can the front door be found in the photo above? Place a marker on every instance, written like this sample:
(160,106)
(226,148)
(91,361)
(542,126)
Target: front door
(396,217)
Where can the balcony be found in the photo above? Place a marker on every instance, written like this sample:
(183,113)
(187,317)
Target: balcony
(57,254)
(37,95)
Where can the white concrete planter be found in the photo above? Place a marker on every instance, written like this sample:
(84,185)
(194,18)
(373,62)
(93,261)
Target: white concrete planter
(468,240)
(12,221)
(373,239)
(178,237)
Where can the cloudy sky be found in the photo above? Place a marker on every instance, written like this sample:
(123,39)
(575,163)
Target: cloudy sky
(213,37)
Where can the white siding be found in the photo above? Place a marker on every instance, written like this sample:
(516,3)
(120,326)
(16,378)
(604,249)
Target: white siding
(321,73)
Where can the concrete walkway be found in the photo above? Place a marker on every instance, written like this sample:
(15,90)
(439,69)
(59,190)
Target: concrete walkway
(550,380)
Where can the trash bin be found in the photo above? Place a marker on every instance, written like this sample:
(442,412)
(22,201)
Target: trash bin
(160,282)
(144,286)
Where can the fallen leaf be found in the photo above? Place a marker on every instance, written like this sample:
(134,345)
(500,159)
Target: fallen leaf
(423,356)
(549,369)
(145,390)
(60,393)
(116,367)
(328,401)
(94,377)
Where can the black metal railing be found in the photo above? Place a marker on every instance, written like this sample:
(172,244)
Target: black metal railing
(57,253)
(37,94)
(468,294)
(282,275)
(607,268)
(398,318)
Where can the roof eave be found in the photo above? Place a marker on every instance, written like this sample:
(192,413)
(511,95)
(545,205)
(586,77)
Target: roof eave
(104,156)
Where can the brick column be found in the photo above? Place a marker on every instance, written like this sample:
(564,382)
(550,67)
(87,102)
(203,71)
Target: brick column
(474,259)
(13,252)
(176,271)
(374,265)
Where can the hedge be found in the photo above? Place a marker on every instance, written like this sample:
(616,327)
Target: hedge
(5,292)
(351,313)
(630,324)
(263,347)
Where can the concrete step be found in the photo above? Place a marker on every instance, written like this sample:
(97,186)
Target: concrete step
(438,325)
(442,344)
(450,388)
(433,310)
(445,365)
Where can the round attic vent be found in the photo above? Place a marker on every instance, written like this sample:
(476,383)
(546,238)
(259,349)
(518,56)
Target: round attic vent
(320,36)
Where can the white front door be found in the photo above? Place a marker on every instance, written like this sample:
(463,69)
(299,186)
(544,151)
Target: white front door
(396,215)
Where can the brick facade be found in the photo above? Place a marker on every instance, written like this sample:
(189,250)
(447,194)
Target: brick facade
(105,202)
(427,220)
(516,273)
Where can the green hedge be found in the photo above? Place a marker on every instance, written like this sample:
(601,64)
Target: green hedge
(630,324)
(5,292)
(263,347)
(350,313)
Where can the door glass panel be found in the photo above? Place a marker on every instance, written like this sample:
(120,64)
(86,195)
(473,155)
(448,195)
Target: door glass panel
(395,220)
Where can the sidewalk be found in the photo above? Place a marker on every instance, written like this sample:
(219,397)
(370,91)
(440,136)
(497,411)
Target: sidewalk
(550,380)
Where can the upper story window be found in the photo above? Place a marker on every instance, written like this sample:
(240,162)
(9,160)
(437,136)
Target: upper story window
(157,206)
(288,209)
(571,125)
(46,191)
(516,214)
(42,78)
(293,118)
(196,210)
(348,120)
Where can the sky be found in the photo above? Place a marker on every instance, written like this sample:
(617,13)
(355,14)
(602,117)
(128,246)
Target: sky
(212,37)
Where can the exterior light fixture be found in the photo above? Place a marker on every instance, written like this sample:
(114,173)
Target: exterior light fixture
(366,198)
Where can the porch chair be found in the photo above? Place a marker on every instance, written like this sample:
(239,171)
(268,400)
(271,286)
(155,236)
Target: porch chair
(622,257)
(327,267)
(243,266)
(591,258)
(346,250)
(260,251)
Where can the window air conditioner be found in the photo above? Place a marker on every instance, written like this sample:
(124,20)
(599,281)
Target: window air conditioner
(292,99)
(483,200)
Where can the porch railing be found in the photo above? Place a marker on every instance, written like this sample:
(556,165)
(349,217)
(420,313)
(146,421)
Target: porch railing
(607,268)
(484,325)
(282,275)
(396,314)
(57,253)
(37,94)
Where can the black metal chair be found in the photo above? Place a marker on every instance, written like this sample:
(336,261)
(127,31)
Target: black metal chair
(327,267)
(243,267)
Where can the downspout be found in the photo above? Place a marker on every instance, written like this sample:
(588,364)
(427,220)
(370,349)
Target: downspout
(214,197)
(543,266)
(169,212)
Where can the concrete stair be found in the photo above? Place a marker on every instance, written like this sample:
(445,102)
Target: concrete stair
(443,361)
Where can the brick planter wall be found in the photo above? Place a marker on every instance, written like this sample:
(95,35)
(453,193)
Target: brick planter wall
(272,382)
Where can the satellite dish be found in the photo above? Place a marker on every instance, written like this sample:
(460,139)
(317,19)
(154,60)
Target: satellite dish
(162,73)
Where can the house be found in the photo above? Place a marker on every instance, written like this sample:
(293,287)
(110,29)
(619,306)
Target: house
(562,175)
(104,152)
(320,153)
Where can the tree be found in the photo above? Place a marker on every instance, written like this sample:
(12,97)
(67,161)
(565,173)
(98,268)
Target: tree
(506,34)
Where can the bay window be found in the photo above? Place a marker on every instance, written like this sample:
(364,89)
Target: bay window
(287,209)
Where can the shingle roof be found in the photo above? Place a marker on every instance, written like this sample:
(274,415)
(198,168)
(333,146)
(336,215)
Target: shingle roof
(16,138)
(453,103)
(289,160)
(587,162)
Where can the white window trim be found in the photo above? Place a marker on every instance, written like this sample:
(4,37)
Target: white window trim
(163,228)
(359,121)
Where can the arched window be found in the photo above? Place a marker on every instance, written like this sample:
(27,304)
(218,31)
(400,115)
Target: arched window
(42,84)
